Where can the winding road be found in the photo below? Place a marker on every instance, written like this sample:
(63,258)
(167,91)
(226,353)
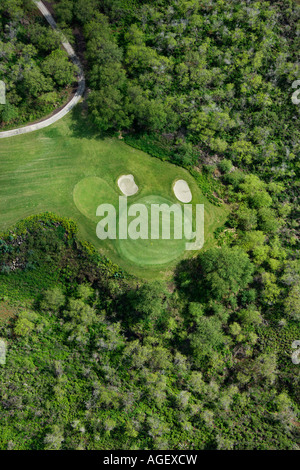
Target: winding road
(76,98)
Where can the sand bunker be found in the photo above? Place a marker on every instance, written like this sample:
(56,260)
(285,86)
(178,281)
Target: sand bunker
(182,191)
(127,185)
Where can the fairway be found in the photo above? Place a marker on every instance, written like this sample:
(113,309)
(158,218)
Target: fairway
(68,170)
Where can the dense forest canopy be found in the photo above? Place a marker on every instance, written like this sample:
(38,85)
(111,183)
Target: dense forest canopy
(99,359)
(214,74)
(34,68)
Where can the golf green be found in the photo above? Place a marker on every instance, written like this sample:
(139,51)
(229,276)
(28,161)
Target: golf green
(150,251)
(70,170)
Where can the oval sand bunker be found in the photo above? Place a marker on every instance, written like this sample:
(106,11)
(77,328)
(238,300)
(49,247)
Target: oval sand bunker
(127,185)
(182,191)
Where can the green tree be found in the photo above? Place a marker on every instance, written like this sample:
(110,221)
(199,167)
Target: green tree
(106,108)
(207,337)
(292,303)
(53,299)
(35,83)
(149,301)
(23,327)
(58,66)
(53,440)
(246,218)
(225,271)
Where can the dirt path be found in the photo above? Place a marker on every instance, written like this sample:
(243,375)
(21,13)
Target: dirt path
(76,98)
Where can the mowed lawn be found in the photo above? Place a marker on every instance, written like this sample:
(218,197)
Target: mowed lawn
(68,170)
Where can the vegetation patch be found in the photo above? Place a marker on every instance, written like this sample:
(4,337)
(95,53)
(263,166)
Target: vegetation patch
(6,311)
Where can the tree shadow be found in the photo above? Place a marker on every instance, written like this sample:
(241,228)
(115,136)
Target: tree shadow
(188,276)
(82,126)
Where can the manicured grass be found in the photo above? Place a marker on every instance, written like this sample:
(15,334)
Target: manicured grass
(69,170)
